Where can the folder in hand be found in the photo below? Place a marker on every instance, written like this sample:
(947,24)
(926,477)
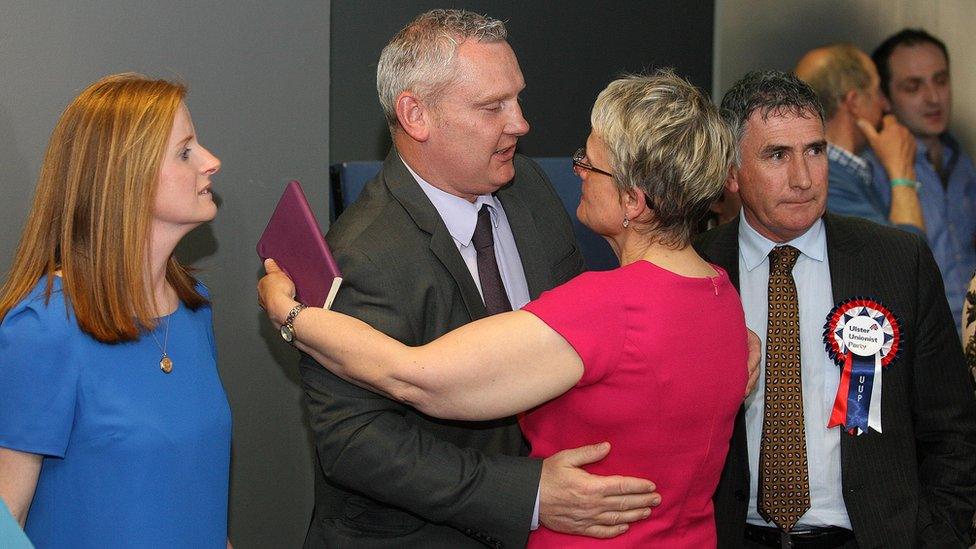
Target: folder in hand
(294,240)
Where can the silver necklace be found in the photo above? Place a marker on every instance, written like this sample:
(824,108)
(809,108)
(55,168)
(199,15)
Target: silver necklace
(165,362)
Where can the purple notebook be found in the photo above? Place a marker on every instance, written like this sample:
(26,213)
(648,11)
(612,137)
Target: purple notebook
(293,239)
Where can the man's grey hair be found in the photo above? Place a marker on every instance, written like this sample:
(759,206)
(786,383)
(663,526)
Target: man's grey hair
(841,72)
(420,57)
(667,139)
(773,93)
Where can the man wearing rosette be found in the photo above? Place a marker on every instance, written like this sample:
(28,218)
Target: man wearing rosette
(862,429)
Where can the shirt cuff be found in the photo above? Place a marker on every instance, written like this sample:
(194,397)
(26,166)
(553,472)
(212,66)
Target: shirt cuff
(535,512)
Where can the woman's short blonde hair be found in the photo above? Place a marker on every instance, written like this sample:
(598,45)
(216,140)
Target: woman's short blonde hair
(92,208)
(667,139)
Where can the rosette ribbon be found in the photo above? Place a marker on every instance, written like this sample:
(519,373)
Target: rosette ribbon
(862,337)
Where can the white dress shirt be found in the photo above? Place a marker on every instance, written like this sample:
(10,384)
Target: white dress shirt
(461,217)
(820,376)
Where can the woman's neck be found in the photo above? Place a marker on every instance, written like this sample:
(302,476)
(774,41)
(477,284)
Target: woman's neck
(163,295)
(681,259)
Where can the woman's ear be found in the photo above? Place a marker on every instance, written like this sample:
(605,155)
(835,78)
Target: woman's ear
(413,115)
(634,203)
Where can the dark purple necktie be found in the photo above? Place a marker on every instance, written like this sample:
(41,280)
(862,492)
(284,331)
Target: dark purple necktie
(492,289)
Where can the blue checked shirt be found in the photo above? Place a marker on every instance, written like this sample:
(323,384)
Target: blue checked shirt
(949,211)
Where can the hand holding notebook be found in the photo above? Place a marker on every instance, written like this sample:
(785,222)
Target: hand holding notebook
(294,240)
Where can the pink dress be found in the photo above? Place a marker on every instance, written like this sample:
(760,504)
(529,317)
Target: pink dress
(664,374)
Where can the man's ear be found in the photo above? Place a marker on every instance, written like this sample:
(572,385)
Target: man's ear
(885,104)
(732,181)
(849,102)
(413,115)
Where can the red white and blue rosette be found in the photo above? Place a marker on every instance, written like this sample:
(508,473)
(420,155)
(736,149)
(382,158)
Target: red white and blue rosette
(863,337)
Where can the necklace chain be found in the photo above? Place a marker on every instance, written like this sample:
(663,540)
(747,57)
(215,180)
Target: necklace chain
(165,363)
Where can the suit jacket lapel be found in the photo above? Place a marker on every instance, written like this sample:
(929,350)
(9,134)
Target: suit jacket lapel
(844,258)
(408,193)
(527,239)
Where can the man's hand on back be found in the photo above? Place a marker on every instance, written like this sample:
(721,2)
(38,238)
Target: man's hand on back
(573,501)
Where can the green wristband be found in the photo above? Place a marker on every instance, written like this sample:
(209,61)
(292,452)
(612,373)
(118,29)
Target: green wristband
(902,182)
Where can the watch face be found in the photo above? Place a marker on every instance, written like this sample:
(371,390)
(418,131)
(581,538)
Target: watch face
(288,333)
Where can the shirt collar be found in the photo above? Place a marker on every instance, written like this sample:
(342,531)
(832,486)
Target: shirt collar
(459,215)
(922,150)
(755,247)
(844,156)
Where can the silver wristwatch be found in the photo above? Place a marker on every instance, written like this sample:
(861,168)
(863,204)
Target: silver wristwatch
(288,328)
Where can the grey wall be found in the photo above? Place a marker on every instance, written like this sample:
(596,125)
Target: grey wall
(568,51)
(259,76)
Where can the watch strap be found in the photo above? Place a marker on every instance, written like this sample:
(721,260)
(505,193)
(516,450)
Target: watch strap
(290,319)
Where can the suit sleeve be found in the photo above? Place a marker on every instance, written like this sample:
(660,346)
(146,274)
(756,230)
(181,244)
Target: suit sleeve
(368,444)
(945,418)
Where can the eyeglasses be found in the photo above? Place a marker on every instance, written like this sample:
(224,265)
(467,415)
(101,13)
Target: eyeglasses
(578,162)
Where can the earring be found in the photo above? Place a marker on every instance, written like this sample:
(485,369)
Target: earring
(626,222)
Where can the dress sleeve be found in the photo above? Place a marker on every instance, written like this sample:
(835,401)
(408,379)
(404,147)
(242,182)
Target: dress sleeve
(588,312)
(38,380)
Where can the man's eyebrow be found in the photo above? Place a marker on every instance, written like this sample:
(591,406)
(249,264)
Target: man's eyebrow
(822,143)
(485,100)
(500,96)
(774,148)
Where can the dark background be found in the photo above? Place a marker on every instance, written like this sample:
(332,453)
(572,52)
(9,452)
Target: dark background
(568,51)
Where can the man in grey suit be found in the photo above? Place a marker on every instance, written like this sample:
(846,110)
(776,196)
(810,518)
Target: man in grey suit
(389,476)
(909,478)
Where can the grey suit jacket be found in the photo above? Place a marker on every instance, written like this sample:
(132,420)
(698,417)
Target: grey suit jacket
(389,476)
(915,484)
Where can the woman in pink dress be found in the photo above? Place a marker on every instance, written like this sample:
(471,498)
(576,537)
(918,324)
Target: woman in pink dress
(650,356)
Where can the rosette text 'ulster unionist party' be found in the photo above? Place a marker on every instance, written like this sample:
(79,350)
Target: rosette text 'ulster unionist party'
(862,337)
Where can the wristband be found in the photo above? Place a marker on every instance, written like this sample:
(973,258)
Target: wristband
(902,182)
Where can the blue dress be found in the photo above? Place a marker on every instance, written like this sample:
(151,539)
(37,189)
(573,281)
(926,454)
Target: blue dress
(133,457)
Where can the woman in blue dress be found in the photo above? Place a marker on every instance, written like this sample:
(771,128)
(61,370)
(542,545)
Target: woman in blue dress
(114,425)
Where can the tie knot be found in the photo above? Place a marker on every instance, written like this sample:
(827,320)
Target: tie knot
(482,237)
(782,259)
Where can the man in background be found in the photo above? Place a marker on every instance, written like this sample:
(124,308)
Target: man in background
(914,70)
(848,86)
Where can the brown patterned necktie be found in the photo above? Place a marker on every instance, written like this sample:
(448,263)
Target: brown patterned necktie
(492,288)
(784,486)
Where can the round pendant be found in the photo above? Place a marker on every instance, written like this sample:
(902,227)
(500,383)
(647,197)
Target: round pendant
(165,364)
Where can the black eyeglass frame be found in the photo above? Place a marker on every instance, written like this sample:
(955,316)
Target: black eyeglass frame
(578,161)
